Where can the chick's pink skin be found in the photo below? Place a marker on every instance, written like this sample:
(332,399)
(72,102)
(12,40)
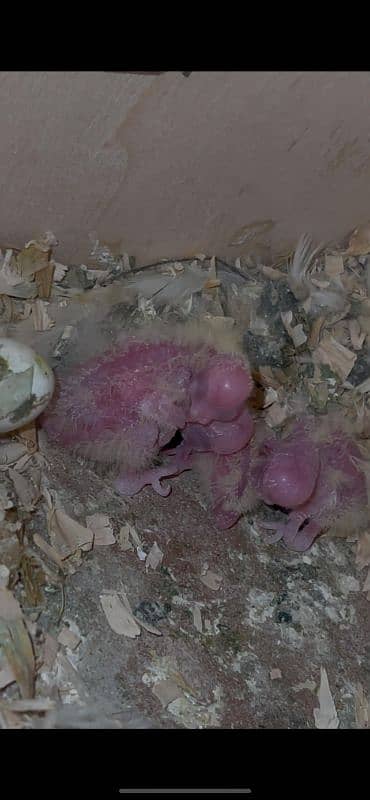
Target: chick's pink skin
(219,391)
(316,482)
(126,405)
(225,478)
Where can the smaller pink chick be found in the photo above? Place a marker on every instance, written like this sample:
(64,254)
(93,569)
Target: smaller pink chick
(317,480)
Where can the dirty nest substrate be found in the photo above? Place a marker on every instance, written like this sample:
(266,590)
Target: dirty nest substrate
(273,610)
(219,629)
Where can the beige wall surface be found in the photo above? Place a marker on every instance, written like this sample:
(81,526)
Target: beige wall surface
(164,165)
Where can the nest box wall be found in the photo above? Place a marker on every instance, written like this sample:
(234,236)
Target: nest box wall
(163,165)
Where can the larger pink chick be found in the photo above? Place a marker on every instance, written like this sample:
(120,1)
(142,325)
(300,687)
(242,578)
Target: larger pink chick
(124,406)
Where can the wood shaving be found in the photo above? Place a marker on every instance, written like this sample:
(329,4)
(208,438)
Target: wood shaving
(366,586)
(49,551)
(275,674)
(7,677)
(44,281)
(273,274)
(362,708)
(10,452)
(66,535)
(128,538)
(101,527)
(326,715)
(154,557)
(4,576)
(60,270)
(197,618)
(35,705)
(166,691)
(276,415)
(16,644)
(334,264)
(363,550)
(124,539)
(359,243)
(28,493)
(363,387)
(296,333)
(316,330)
(40,316)
(356,336)
(340,359)
(50,651)
(119,617)
(148,627)
(69,639)
(211,579)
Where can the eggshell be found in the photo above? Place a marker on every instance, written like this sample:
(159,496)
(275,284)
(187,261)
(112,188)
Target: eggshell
(26,385)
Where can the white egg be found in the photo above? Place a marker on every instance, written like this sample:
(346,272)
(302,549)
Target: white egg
(26,385)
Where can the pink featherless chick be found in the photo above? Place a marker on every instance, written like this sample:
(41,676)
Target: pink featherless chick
(316,474)
(123,407)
